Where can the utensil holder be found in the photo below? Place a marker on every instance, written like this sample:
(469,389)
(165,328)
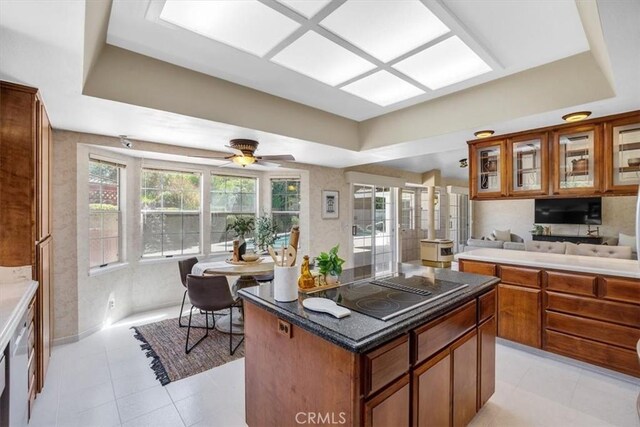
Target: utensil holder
(285,283)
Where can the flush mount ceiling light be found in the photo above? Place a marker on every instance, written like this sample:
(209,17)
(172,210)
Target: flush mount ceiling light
(385,29)
(382,88)
(576,117)
(321,59)
(306,8)
(247,25)
(483,133)
(448,62)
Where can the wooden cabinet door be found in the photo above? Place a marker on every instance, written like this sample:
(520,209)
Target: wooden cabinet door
(432,392)
(520,314)
(486,361)
(43,173)
(465,379)
(391,407)
(622,154)
(487,169)
(43,312)
(577,166)
(527,161)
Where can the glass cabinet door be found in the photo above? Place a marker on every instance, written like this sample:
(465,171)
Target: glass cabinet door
(528,165)
(626,155)
(487,169)
(575,161)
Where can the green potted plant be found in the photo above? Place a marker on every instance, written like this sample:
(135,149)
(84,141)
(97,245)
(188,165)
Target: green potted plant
(330,265)
(240,225)
(537,230)
(266,231)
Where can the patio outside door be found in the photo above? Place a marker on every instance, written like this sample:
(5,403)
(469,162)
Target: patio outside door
(373,228)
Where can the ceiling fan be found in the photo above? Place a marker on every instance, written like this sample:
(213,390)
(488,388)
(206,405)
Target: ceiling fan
(243,154)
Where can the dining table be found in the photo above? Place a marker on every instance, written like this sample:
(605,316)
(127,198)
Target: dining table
(241,275)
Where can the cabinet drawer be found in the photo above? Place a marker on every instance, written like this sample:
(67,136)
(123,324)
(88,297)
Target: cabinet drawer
(31,312)
(622,336)
(520,276)
(478,267)
(624,314)
(486,306)
(440,333)
(385,364)
(31,340)
(616,358)
(624,290)
(571,283)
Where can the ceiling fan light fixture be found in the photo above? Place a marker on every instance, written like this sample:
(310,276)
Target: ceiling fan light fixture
(576,117)
(484,133)
(243,160)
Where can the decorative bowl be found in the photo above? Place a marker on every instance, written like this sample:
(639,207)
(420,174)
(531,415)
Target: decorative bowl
(633,162)
(250,257)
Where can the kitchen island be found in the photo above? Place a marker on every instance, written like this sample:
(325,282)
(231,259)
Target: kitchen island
(431,365)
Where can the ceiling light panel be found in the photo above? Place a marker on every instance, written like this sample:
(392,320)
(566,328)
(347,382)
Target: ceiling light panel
(385,29)
(247,25)
(306,8)
(448,62)
(382,88)
(321,59)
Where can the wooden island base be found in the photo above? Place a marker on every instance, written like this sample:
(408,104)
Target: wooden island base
(438,374)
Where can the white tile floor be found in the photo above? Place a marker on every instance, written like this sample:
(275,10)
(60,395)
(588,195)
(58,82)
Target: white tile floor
(105,380)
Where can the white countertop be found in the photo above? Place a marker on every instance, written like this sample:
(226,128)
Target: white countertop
(578,263)
(14,301)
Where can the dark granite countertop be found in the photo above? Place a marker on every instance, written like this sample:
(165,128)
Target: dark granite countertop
(360,333)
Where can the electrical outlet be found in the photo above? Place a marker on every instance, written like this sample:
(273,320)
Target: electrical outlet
(284,328)
(112,304)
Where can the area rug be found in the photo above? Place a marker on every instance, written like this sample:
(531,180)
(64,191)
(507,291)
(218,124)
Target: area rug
(164,343)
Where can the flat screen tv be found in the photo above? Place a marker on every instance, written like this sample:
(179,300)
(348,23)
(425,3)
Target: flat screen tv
(569,211)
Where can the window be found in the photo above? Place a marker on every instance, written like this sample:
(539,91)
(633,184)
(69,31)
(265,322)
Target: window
(424,210)
(285,207)
(104,213)
(231,197)
(170,213)
(407,210)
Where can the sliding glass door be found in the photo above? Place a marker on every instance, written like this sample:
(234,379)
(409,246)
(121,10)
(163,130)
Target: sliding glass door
(373,228)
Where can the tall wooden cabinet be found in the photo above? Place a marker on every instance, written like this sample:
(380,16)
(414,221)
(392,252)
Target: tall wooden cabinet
(25,205)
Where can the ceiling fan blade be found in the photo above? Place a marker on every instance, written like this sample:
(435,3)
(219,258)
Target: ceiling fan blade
(213,157)
(277,157)
(267,164)
(235,150)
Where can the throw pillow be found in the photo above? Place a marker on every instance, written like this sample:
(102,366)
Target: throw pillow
(626,240)
(504,235)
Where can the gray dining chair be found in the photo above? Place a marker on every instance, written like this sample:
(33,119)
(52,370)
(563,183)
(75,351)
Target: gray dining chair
(209,294)
(185,266)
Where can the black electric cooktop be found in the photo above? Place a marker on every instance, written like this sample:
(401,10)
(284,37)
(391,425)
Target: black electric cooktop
(390,296)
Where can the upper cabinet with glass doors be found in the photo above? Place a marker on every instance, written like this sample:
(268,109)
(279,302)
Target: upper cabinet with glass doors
(576,160)
(622,147)
(528,164)
(487,169)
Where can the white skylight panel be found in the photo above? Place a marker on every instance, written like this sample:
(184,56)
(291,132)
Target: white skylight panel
(247,25)
(321,59)
(385,29)
(448,62)
(383,88)
(306,8)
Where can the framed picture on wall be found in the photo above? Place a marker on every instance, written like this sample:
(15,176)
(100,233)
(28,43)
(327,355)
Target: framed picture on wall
(330,204)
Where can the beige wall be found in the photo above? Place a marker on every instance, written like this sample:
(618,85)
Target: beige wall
(81,300)
(618,215)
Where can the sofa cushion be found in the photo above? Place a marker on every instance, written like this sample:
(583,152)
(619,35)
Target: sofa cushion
(626,240)
(541,246)
(478,243)
(514,246)
(504,235)
(604,251)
